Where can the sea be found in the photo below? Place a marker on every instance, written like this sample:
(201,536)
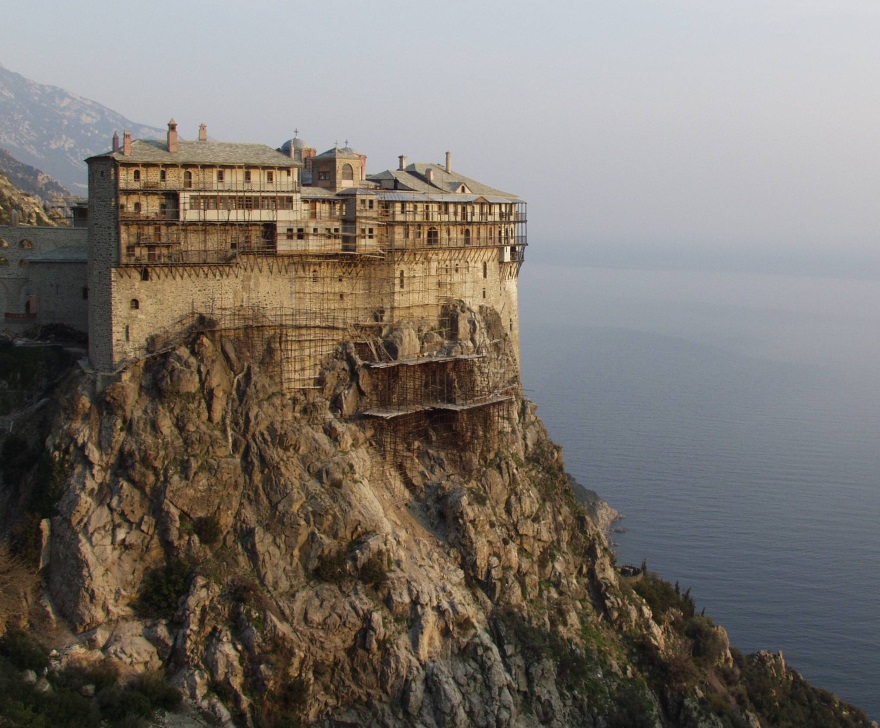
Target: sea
(733,418)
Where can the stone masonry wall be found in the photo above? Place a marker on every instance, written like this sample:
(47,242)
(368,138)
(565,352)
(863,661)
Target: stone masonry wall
(329,295)
(19,279)
(103,257)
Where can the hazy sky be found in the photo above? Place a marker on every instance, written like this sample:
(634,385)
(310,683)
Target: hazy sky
(667,128)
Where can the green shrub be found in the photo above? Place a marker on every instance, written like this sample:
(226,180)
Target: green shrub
(246,590)
(632,709)
(155,687)
(284,707)
(162,589)
(22,651)
(707,643)
(207,528)
(374,571)
(332,567)
(662,597)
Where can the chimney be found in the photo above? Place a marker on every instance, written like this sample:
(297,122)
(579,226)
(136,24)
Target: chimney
(448,162)
(126,143)
(363,166)
(430,174)
(203,133)
(172,136)
(115,142)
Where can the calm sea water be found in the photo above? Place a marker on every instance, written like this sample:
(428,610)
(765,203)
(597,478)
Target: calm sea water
(734,419)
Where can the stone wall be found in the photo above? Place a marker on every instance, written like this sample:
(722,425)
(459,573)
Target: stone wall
(25,286)
(103,257)
(61,290)
(324,300)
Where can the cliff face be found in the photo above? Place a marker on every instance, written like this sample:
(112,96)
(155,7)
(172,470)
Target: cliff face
(284,564)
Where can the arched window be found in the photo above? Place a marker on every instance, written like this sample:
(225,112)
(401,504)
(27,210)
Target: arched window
(188,179)
(348,173)
(433,236)
(134,304)
(3,243)
(401,279)
(145,274)
(137,175)
(24,263)
(3,261)
(26,244)
(467,236)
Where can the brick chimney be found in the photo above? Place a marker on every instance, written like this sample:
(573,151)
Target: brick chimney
(203,133)
(115,142)
(172,136)
(448,162)
(402,159)
(126,143)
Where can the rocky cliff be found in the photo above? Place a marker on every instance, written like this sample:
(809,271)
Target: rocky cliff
(285,564)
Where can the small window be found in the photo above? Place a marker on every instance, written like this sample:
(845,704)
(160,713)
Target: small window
(315,275)
(485,269)
(347,173)
(484,293)
(401,280)
(270,176)
(145,274)
(290,233)
(323,175)
(372,204)
(188,179)
(3,243)
(137,206)
(24,263)
(247,175)
(162,175)
(134,304)
(467,237)
(127,333)
(4,261)
(433,236)
(137,175)
(300,233)
(26,244)
(219,175)
(85,293)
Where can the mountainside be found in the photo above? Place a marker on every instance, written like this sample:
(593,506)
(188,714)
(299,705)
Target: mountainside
(284,564)
(33,181)
(54,130)
(30,208)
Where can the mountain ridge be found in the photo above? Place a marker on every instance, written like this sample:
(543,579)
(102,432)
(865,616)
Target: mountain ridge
(55,130)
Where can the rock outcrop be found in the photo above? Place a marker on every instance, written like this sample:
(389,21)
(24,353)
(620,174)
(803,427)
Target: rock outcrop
(283,564)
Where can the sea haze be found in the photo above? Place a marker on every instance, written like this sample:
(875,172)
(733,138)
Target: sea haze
(734,419)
